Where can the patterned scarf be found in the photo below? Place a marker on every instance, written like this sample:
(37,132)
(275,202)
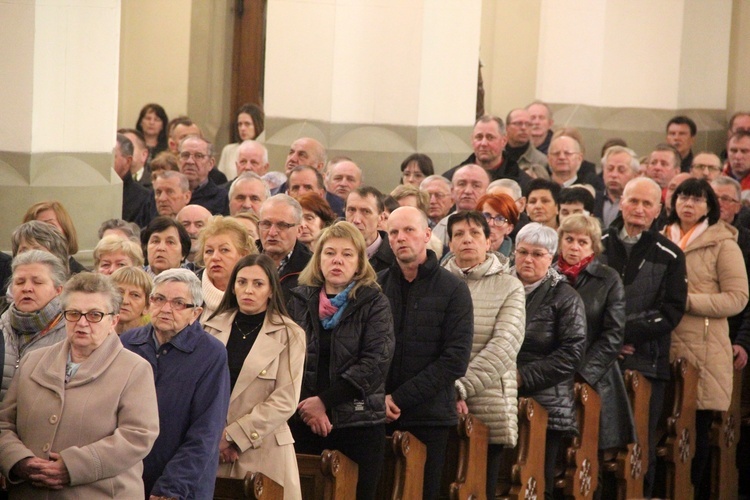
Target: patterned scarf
(572,271)
(28,325)
(330,310)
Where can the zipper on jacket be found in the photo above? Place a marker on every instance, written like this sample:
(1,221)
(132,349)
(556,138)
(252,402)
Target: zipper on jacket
(705,329)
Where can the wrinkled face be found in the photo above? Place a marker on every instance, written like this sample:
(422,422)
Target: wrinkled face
(440,200)
(469,184)
(345,176)
(574,247)
(541,206)
(499,229)
(245,126)
(252,289)
(193,218)
(532,262)
(304,182)
(220,254)
(247,196)
(412,175)
(738,154)
(468,243)
(111,262)
(32,287)
(170,198)
(706,166)
(363,213)
(166,318)
(519,128)
(540,120)
(310,227)
(83,334)
(151,124)
(617,173)
(488,143)
(568,209)
(133,302)
(678,136)
(164,250)
(729,202)
(278,229)
(672,187)
(338,263)
(640,205)
(50,217)
(303,152)
(564,157)
(661,167)
(408,235)
(251,158)
(691,209)
(195,162)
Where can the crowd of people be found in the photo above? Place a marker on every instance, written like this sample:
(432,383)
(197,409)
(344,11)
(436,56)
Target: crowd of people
(235,315)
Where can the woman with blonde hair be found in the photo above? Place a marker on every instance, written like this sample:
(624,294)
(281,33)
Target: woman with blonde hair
(221,244)
(350,343)
(113,252)
(53,212)
(135,285)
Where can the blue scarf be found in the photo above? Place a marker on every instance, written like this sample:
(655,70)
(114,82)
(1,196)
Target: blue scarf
(339,303)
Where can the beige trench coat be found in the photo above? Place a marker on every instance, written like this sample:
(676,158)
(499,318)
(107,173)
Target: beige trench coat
(264,397)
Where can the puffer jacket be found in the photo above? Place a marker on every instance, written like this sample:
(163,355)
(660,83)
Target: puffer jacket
(361,352)
(717,288)
(489,386)
(552,349)
(604,299)
(655,294)
(14,353)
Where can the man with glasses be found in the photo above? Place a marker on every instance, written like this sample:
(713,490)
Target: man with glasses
(619,166)
(706,166)
(653,272)
(439,190)
(192,389)
(519,147)
(196,161)
(565,160)
(279,225)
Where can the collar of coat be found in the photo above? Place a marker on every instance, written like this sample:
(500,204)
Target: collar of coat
(185,340)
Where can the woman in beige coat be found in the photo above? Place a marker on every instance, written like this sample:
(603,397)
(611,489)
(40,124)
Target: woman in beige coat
(489,389)
(717,289)
(80,415)
(266,355)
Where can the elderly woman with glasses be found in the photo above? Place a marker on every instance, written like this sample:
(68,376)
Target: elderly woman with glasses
(717,289)
(81,415)
(501,214)
(555,338)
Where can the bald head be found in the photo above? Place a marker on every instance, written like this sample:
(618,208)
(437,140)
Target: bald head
(193,218)
(308,152)
(469,184)
(408,234)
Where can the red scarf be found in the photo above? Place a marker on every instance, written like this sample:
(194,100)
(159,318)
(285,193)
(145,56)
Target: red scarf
(572,271)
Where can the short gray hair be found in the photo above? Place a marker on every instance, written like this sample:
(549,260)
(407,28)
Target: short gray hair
(126,145)
(209,145)
(45,235)
(171,174)
(251,142)
(723,180)
(635,166)
(534,233)
(435,178)
(91,283)
(248,176)
(57,269)
(182,276)
(509,184)
(285,199)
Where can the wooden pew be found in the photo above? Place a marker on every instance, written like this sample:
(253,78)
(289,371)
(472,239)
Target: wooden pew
(403,469)
(255,485)
(582,457)
(725,434)
(329,476)
(631,463)
(524,475)
(677,452)
(465,471)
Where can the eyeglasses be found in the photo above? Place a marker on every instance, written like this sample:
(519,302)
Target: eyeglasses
(281,226)
(727,199)
(438,196)
(497,220)
(695,200)
(522,253)
(710,168)
(177,304)
(91,316)
(566,154)
(520,124)
(185,156)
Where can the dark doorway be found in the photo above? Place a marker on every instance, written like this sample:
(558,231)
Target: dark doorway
(248,55)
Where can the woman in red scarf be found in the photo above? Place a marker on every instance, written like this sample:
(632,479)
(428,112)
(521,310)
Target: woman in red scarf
(603,294)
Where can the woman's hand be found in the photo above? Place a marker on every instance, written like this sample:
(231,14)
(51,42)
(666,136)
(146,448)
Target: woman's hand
(52,474)
(313,413)
(23,469)
(461,407)
(228,452)
(740,357)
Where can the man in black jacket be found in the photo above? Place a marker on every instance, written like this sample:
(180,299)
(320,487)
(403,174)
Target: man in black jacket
(364,209)
(653,272)
(134,195)
(433,319)
(196,161)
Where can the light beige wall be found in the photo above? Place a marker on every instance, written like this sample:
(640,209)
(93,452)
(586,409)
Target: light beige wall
(739,61)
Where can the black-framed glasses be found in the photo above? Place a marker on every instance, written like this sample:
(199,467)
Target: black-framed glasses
(497,220)
(281,226)
(92,316)
(177,304)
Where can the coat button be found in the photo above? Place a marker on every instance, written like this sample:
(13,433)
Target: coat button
(263,372)
(46,448)
(53,419)
(254,435)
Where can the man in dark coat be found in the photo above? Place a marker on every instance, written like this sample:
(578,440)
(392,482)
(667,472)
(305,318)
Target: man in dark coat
(196,162)
(653,272)
(364,209)
(433,319)
(134,195)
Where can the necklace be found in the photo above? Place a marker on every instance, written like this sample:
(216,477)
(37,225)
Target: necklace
(251,332)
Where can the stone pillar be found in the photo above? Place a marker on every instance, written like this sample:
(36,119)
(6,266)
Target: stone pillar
(625,67)
(59,65)
(373,79)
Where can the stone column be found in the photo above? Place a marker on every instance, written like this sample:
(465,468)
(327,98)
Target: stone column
(59,65)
